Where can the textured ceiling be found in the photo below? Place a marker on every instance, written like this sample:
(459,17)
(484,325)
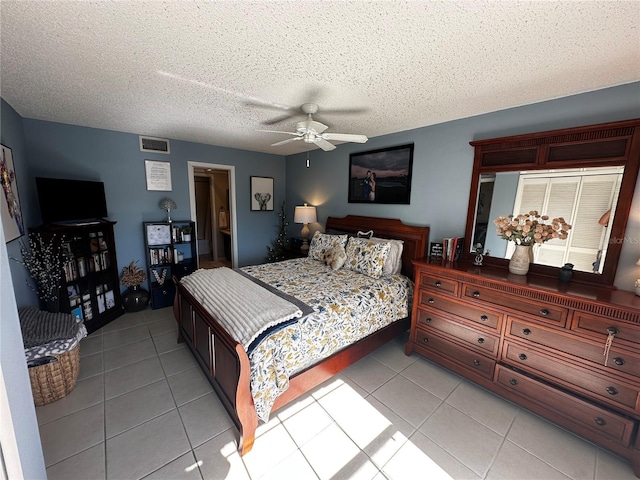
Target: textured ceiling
(215,72)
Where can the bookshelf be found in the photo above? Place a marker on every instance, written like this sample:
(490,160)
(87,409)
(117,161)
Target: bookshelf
(171,251)
(90,285)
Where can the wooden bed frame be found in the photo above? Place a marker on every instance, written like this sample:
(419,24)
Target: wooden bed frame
(225,361)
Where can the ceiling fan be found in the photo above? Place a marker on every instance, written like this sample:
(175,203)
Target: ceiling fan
(311,131)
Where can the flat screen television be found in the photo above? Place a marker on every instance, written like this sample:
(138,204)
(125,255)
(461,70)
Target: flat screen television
(68,201)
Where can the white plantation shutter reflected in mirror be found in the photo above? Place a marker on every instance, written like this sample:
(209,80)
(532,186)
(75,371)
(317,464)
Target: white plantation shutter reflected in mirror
(582,198)
(589,237)
(560,202)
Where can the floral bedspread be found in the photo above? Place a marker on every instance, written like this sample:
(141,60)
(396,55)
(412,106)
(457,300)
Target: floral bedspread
(347,306)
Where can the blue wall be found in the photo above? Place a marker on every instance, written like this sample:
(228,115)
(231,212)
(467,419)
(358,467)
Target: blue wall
(66,151)
(443,162)
(12,136)
(442,168)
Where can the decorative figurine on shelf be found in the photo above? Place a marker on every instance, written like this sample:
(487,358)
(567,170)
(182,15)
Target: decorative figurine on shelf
(566,272)
(168,205)
(479,257)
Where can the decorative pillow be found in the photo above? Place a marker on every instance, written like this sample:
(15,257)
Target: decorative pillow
(367,257)
(393,264)
(321,242)
(368,234)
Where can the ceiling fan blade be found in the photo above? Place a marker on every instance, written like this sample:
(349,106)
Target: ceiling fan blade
(323,144)
(279,119)
(344,111)
(345,137)
(288,140)
(279,131)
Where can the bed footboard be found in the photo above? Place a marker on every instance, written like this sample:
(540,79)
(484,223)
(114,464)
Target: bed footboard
(223,360)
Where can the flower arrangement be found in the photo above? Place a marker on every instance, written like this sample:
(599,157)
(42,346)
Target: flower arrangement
(43,261)
(527,229)
(132,275)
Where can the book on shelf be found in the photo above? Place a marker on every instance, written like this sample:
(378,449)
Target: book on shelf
(452,248)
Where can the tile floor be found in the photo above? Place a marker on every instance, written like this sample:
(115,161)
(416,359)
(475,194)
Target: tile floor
(143,409)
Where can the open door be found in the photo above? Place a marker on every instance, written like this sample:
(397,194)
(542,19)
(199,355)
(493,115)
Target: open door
(214,216)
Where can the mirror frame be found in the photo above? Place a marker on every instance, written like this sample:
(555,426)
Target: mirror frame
(601,145)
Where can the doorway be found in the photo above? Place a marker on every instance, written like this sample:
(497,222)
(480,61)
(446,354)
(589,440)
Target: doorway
(213,210)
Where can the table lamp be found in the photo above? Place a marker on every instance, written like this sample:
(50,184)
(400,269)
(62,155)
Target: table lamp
(305,215)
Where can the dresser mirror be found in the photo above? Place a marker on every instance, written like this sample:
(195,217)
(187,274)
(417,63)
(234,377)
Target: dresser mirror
(585,197)
(586,175)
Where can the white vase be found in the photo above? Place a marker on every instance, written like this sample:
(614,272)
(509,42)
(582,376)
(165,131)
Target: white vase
(520,260)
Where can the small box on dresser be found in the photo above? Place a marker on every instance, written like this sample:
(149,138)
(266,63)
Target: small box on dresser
(568,352)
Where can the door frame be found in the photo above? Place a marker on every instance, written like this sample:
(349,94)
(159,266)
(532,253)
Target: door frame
(231,171)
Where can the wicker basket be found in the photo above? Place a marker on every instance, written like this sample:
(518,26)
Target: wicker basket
(52,381)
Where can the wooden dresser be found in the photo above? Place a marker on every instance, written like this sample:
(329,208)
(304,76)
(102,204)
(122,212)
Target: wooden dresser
(568,352)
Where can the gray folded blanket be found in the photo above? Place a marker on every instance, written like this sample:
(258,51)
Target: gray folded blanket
(40,327)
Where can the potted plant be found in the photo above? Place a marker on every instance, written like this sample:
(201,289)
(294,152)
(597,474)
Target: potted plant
(43,261)
(186,233)
(135,298)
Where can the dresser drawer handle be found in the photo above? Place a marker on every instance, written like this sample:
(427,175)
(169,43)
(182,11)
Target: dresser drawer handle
(427,320)
(544,312)
(425,340)
(431,300)
(600,421)
(476,363)
(481,340)
(522,356)
(612,330)
(618,361)
(612,390)
(513,381)
(476,294)
(484,318)
(438,283)
(526,331)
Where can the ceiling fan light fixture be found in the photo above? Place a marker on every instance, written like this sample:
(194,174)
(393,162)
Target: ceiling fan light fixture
(311,131)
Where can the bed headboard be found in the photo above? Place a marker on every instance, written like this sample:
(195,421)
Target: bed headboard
(415,238)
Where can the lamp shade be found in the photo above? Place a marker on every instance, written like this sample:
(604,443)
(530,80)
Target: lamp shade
(305,214)
(638,262)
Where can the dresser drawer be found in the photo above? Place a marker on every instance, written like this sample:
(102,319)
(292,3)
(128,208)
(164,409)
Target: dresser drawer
(550,313)
(617,359)
(482,316)
(475,338)
(607,389)
(593,324)
(440,284)
(479,364)
(603,423)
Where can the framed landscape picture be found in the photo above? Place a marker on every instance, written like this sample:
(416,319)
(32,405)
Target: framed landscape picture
(381,176)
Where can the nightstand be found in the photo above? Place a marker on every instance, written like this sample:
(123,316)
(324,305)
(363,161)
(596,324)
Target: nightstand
(293,251)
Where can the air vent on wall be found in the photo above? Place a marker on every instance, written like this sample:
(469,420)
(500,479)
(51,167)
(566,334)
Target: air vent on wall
(153,144)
